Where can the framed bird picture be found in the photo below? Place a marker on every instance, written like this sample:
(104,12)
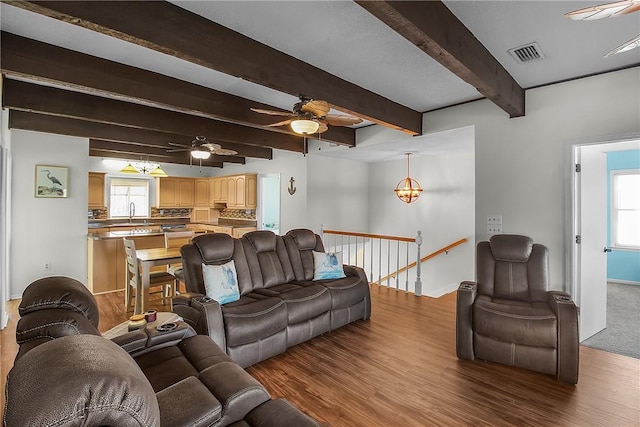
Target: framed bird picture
(51,181)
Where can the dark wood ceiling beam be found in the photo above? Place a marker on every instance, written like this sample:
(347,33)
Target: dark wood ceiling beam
(143,150)
(40,61)
(169,29)
(75,127)
(24,96)
(118,155)
(433,28)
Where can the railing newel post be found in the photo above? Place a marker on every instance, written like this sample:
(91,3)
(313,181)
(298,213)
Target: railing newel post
(418,286)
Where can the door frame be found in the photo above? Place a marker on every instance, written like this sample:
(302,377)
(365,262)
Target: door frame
(572,205)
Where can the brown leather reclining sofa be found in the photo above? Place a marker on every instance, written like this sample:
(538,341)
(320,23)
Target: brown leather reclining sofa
(280,304)
(65,373)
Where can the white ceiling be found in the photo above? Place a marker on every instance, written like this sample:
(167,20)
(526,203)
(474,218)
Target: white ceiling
(342,38)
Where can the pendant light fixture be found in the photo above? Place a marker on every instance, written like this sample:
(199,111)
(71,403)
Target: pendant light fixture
(145,168)
(408,190)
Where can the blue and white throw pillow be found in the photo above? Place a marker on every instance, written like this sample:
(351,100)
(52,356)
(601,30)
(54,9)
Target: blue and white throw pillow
(221,282)
(327,265)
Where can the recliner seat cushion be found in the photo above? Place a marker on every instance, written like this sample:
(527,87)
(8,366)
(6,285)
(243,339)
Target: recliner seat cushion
(248,320)
(345,292)
(303,302)
(531,324)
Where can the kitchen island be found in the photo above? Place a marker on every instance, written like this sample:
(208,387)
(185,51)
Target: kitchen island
(106,258)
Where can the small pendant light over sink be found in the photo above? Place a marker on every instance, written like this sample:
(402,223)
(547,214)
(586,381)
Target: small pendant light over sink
(408,190)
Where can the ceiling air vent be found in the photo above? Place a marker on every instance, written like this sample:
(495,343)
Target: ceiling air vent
(527,53)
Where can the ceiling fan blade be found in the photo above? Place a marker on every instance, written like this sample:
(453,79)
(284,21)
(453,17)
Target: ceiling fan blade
(224,152)
(211,146)
(317,107)
(282,123)
(175,144)
(342,120)
(606,10)
(175,150)
(271,112)
(631,44)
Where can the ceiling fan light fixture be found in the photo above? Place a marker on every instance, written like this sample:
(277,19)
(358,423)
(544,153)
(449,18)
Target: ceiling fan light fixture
(200,154)
(305,126)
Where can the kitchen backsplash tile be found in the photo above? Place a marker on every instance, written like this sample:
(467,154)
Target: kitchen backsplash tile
(170,213)
(238,214)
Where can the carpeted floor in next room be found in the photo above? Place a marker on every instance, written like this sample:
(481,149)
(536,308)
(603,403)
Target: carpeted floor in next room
(622,334)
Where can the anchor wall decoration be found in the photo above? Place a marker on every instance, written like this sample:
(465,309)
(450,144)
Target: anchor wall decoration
(291,189)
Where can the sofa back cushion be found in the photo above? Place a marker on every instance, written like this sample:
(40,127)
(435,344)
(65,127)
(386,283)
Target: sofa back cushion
(513,267)
(267,259)
(214,249)
(79,380)
(300,244)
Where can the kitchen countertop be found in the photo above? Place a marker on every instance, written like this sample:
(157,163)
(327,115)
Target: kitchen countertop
(142,232)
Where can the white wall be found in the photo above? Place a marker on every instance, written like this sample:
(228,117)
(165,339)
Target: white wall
(520,163)
(444,213)
(51,230)
(337,194)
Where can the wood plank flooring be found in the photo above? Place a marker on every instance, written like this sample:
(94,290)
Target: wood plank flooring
(400,369)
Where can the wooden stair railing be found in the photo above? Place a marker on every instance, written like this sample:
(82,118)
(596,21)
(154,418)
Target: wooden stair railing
(433,254)
(380,237)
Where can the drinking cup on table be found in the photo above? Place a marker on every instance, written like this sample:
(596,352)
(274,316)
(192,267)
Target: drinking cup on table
(150,316)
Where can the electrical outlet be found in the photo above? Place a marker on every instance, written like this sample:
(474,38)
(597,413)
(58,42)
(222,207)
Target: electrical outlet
(494,228)
(494,219)
(46,267)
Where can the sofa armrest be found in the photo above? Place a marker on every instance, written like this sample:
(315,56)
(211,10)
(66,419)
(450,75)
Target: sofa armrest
(146,340)
(466,295)
(352,270)
(568,339)
(203,314)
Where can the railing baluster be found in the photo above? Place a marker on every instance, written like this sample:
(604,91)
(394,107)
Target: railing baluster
(406,274)
(379,262)
(397,263)
(371,261)
(418,288)
(388,261)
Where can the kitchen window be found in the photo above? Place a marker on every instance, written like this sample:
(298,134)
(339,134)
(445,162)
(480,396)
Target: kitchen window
(625,212)
(125,191)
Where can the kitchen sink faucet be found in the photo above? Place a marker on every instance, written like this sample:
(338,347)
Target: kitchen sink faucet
(132,211)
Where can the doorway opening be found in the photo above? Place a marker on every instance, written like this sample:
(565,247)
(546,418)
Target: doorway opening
(269,202)
(590,227)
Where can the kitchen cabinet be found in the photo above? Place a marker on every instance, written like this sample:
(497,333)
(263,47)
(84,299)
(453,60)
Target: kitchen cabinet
(219,189)
(107,261)
(175,192)
(241,231)
(200,215)
(96,190)
(202,196)
(242,191)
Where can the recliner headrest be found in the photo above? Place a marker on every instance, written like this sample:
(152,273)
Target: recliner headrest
(59,292)
(305,239)
(511,247)
(262,241)
(214,247)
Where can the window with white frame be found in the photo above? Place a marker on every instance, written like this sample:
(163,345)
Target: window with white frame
(625,209)
(123,192)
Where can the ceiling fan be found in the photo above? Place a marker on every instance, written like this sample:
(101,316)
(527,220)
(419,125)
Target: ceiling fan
(202,149)
(610,10)
(310,116)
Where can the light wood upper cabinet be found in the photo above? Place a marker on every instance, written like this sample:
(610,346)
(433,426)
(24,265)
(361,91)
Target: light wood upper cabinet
(218,189)
(243,191)
(201,192)
(175,192)
(96,190)
(237,191)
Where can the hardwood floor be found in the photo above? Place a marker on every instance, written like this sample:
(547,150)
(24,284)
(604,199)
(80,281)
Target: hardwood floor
(400,369)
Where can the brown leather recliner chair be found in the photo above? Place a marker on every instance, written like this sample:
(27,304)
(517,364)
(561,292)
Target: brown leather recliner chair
(67,374)
(509,316)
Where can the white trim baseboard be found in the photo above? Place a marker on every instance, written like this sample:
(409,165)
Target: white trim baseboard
(623,282)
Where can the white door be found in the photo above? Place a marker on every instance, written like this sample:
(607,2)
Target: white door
(592,228)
